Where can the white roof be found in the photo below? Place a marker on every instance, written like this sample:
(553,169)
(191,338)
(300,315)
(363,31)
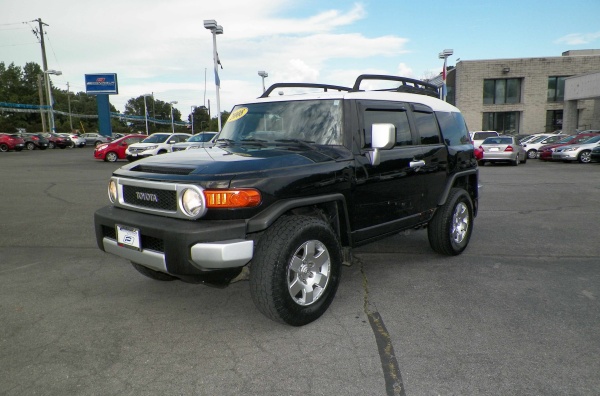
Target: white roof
(434,103)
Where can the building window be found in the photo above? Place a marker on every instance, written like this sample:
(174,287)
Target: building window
(554,120)
(556,89)
(506,123)
(502,91)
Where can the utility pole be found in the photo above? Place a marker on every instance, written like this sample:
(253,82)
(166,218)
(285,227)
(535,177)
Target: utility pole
(44,61)
(41,102)
(69,104)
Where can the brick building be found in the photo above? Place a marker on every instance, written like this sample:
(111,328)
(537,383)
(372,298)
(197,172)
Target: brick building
(523,96)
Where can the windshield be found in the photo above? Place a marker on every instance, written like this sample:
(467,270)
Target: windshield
(201,137)
(315,121)
(566,139)
(156,138)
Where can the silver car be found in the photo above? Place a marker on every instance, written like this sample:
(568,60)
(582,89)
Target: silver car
(577,152)
(202,139)
(503,149)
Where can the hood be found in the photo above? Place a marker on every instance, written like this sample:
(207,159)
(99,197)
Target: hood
(235,159)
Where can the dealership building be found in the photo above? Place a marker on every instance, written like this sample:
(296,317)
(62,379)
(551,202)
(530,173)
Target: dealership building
(529,95)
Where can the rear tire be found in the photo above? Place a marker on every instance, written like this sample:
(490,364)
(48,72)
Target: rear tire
(3,147)
(150,273)
(296,270)
(450,229)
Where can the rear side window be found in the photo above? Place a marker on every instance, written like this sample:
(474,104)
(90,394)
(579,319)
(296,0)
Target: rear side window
(454,129)
(427,127)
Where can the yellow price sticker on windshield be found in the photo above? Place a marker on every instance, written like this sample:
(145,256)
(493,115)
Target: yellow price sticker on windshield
(237,114)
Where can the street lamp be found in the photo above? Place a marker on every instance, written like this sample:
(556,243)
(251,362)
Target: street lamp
(50,100)
(215,29)
(146,112)
(444,55)
(263,74)
(172,122)
(192,118)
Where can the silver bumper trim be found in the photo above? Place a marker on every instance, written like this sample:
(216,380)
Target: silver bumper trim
(223,254)
(212,255)
(147,258)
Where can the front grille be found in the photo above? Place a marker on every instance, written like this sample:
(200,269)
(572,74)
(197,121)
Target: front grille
(150,198)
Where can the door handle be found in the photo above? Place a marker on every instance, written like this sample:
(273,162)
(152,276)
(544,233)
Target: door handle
(416,164)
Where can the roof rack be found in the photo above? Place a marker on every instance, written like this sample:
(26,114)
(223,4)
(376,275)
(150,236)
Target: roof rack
(325,87)
(408,85)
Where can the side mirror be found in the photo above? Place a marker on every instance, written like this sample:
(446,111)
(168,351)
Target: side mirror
(383,137)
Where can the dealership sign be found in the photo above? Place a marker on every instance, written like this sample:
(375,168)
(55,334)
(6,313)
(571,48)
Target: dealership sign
(101,84)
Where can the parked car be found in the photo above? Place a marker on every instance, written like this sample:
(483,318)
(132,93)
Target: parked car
(76,140)
(158,143)
(545,152)
(595,154)
(10,142)
(503,149)
(532,146)
(55,140)
(94,139)
(200,140)
(478,137)
(115,150)
(35,141)
(576,152)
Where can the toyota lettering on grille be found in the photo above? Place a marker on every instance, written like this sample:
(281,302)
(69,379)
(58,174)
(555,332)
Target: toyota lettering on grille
(143,196)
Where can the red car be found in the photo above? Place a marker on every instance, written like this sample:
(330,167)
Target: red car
(11,142)
(115,150)
(545,152)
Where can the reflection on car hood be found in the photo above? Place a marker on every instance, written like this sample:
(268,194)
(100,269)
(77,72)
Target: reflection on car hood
(238,159)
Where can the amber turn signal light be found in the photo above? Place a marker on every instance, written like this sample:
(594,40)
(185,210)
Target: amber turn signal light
(245,198)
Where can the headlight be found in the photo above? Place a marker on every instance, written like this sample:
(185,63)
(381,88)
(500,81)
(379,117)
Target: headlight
(112,191)
(150,147)
(192,202)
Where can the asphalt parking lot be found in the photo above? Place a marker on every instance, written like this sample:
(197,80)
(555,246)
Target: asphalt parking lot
(518,313)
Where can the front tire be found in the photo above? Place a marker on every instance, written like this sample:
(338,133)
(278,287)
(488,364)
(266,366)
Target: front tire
(450,229)
(30,146)
(532,154)
(3,147)
(296,270)
(150,273)
(111,157)
(585,157)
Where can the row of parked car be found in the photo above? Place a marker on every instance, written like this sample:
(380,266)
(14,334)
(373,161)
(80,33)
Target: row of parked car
(583,147)
(136,146)
(42,141)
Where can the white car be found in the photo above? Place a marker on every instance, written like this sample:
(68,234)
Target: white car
(77,140)
(157,143)
(478,137)
(532,146)
(577,152)
(200,140)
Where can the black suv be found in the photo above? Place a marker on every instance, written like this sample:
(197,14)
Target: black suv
(291,185)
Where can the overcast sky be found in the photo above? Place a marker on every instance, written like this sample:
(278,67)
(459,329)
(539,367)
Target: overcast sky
(162,47)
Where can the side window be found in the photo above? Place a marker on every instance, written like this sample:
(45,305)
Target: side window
(397,117)
(454,129)
(427,127)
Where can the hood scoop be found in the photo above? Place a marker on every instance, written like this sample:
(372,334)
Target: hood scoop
(164,170)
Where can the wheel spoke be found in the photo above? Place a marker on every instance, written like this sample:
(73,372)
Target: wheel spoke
(296,264)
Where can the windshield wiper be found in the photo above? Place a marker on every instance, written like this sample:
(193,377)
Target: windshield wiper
(225,142)
(309,144)
(259,142)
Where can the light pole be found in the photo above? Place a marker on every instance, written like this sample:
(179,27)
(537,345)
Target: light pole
(263,74)
(172,122)
(215,29)
(146,112)
(56,73)
(444,55)
(69,104)
(192,118)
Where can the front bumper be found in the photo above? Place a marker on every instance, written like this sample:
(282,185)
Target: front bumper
(565,156)
(182,248)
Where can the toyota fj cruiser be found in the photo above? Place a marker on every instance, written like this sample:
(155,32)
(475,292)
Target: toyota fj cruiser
(292,184)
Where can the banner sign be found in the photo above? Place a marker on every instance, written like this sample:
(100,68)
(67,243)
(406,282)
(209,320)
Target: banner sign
(101,84)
